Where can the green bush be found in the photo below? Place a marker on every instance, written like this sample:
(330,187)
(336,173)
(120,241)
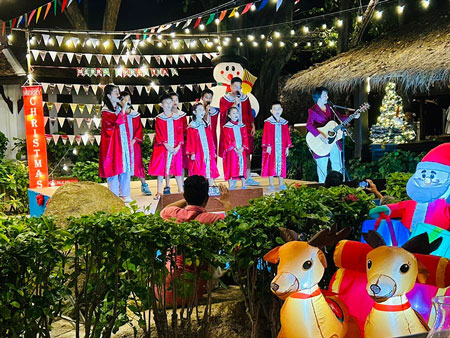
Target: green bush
(396,185)
(14,184)
(3,144)
(87,171)
(254,232)
(32,275)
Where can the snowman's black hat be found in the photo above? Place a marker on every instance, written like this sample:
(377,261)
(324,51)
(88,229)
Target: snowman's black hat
(230,53)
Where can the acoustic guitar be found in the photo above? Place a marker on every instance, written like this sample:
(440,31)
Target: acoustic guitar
(334,132)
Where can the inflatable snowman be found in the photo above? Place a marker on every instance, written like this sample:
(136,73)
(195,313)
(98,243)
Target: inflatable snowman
(229,65)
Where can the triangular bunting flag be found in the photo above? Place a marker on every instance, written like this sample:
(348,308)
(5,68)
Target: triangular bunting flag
(199,56)
(88,57)
(78,139)
(86,89)
(35,54)
(99,58)
(148,89)
(42,54)
(174,88)
(60,56)
(182,58)
(135,43)
(148,58)
(202,86)
(73,107)
(85,138)
(52,55)
(164,59)
(190,87)
(197,22)
(188,57)
(50,106)
(176,57)
(137,58)
(222,15)
(64,139)
(247,8)
(152,136)
(96,121)
(79,121)
(59,39)
(207,55)
(194,57)
(124,58)
(60,87)
(116,59)
(89,107)
(45,120)
(45,37)
(158,59)
(61,121)
(81,107)
(77,88)
(232,12)
(144,122)
(263,4)
(94,88)
(210,19)
(98,138)
(55,138)
(58,106)
(122,88)
(187,24)
(70,56)
(279,2)
(139,89)
(71,138)
(156,88)
(108,58)
(117,43)
(44,87)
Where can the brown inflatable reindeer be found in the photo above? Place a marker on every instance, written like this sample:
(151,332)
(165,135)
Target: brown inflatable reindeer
(391,273)
(306,312)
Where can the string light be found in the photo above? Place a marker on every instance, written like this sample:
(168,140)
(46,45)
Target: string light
(276,35)
(217,21)
(324,26)
(282,44)
(378,14)
(69,42)
(295,44)
(65,167)
(305,29)
(187,30)
(253,8)
(173,34)
(176,44)
(359,18)
(133,51)
(202,27)
(106,44)
(339,23)
(331,43)
(236,15)
(88,42)
(216,40)
(269,44)
(251,37)
(263,36)
(159,44)
(193,43)
(400,9)
(308,44)
(292,32)
(241,44)
(209,44)
(159,36)
(10,37)
(51,42)
(75,151)
(142,43)
(128,52)
(425,3)
(255,44)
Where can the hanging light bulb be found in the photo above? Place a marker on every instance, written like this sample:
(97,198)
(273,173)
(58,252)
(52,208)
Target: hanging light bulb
(305,29)
(209,44)
(219,48)
(159,44)
(149,39)
(400,9)
(216,40)
(236,14)
(251,37)
(295,44)
(359,18)
(75,151)
(176,44)
(320,43)
(143,68)
(187,30)
(217,21)
(193,43)
(10,37)
(65,167)
(378,14)
(269,44)
(292,32)
(238,39)
(282,44)
(324,26)
(276,35)
(159,36)
(425,3)
(263,36)
(255,44)
(308,44)
(340,23)
(51,41)
(241,44)
(69,42)
(128,52)
(133,51)
(201,26)
(173,34)
(88,42)
(331,43)
(253,8)
(142,43)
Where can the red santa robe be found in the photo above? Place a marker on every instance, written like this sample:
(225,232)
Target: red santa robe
(276,136)
(199,142)
(168,130)
(245,117)
(234,136)
(437,213)
(138,136)
(212,118)
(110,155)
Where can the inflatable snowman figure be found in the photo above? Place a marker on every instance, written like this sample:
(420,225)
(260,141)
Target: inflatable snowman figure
(227,66)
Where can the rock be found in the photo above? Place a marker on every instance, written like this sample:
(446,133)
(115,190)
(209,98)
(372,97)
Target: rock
(81,198)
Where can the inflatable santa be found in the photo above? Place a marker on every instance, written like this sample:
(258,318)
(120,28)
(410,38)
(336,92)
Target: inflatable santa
(429,189)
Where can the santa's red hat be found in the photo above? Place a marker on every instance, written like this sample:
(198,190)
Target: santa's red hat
(437,159)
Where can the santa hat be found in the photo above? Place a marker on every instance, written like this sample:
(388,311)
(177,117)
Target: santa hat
(437,159)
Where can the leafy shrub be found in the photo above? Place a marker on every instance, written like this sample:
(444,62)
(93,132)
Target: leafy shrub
(3,144)
(87,171)
(254,231)
(396,185)
(14,184)
(32,275)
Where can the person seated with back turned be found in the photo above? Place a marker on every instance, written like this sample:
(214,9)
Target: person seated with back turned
(192,207)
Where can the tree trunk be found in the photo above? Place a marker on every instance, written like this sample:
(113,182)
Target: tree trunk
(111,14)
(344,31)
(367,16)
(75,17)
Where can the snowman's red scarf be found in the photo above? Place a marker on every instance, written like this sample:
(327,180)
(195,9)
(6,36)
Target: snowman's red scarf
(228,87)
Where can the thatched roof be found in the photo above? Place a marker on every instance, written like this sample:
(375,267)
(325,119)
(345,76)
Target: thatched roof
(416,57)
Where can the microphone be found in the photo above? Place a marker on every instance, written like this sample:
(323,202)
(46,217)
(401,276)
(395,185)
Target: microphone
(340,107)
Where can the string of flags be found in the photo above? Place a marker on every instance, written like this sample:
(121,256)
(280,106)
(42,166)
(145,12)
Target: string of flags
(84,139)
(95,110)
(68,87)
(127,72)
(119,59)
(26,19)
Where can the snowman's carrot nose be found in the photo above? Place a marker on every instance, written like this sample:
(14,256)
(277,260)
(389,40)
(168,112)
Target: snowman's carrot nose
(230,76)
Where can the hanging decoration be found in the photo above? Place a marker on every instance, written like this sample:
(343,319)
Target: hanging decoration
(80,140)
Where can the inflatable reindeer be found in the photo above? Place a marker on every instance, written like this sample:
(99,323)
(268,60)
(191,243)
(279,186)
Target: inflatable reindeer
(306,312)
(391,273)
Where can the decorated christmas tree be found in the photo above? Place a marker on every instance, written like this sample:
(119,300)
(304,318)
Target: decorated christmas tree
(391,126)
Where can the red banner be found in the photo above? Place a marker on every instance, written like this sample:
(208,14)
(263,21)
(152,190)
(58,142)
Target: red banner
(35,132)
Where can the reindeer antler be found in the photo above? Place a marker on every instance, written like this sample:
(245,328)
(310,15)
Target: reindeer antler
(329,237)
(420,244)
(374,239)
(288,235)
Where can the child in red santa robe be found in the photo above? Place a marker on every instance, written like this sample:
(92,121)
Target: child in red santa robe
(234,147)
(115,162)
(167,156)
(200,149)
(276,142)
(136,139)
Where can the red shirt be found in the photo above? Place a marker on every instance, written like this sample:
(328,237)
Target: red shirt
(189,213)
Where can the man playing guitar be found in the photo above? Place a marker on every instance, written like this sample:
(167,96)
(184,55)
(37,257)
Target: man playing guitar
(318,116)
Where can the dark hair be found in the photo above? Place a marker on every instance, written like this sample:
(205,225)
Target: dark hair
(108,90)
(236,79)
(173,94)
(196,189)
(274,103)
(164,97)
(318,93)
(334,179)
(206,91)
(228,113)
(194,107)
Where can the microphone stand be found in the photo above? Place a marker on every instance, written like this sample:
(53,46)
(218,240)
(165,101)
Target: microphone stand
(345,174)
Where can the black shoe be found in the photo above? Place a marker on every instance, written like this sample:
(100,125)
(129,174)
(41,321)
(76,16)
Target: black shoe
(166,191)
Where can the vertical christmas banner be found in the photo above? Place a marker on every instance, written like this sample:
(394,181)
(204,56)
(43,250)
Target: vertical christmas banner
(391,126)
(35,136)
